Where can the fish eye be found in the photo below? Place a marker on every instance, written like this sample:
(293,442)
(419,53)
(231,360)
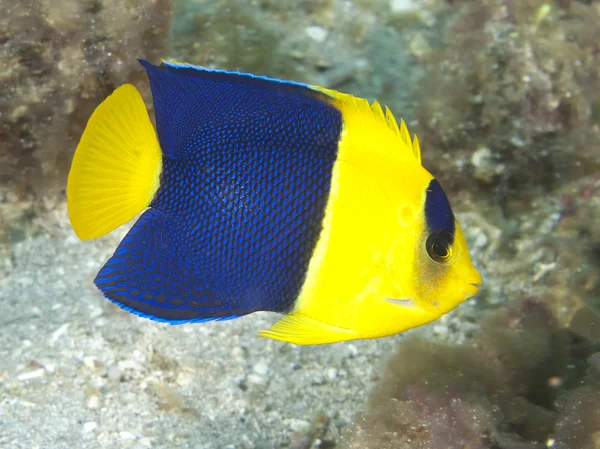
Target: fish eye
(439,246)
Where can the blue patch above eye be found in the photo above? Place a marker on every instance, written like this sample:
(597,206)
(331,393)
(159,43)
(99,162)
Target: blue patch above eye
(438,212)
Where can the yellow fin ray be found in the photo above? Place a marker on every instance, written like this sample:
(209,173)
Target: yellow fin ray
(377,111)
(391,120)
(404,133)
(355,107)
(416,147)
(301,329)
(116,167)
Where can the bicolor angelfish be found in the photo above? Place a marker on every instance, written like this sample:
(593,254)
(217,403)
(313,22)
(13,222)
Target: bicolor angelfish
(263,194)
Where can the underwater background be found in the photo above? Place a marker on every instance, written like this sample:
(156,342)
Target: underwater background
(505,98)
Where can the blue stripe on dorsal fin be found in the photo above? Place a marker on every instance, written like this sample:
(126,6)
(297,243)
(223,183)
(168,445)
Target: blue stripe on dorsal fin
(192,103)
(149,277)
(206,73)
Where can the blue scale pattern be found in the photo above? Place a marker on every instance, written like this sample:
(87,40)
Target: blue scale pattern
(246,176)
(438,211)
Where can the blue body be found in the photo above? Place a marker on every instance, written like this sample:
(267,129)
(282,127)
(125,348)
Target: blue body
(247,165)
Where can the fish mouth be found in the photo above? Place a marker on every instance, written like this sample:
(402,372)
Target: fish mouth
(473,281)
(472,289)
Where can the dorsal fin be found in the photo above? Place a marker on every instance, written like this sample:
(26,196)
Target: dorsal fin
(355,106)
(191,102)
(377,111)
(349,105)
(391,120)
(416,148)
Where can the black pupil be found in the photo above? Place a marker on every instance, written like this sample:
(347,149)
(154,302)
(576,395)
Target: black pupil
(439,246)
(440,249)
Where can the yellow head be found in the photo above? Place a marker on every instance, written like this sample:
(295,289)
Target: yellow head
(391,255)
(417,261)
(429,260)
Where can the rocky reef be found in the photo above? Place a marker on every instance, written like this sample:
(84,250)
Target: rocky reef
(521,382)
(504,93)
(59,60)
(505,98)
(510,99)
(336,44)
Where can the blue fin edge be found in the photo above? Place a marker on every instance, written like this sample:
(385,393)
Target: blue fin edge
(185,65)
(173,322)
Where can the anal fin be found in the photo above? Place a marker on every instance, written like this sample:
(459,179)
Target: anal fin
(148,276)
(301,329)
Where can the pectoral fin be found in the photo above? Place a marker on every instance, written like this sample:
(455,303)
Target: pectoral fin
(405,302)
(300,329)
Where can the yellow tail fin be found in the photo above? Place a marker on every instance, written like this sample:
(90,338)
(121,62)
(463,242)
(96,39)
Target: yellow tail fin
(116,167)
